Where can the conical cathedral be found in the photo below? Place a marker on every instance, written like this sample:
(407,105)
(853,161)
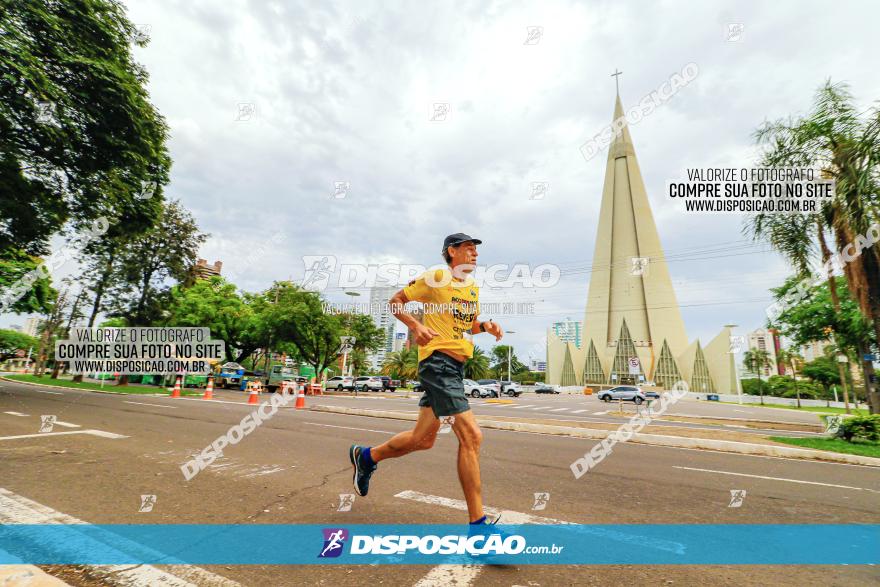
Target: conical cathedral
(632,330)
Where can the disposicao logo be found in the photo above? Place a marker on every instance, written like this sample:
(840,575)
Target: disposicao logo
(334,540)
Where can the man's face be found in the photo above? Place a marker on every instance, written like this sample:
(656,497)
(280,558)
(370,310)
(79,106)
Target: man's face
(464,258)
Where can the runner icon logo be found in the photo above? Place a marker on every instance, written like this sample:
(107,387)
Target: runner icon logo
(334,540)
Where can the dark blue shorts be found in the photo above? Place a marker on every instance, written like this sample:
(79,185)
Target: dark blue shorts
(441,378)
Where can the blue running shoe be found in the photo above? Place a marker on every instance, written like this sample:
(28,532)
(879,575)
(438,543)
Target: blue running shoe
(362,472)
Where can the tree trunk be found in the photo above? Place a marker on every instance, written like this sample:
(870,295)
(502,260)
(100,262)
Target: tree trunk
(842,373)
(99,294)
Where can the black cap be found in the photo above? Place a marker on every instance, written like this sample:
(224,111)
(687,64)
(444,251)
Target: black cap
(457,239)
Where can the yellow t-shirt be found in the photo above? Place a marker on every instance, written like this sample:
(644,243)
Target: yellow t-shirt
(450,307)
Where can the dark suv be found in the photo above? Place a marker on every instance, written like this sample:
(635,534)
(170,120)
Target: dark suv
(389,384)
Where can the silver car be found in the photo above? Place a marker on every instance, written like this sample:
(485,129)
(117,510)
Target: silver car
(630,393)
(474,389)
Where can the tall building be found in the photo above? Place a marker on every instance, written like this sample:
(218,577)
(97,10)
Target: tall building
(32,326)
(767,340)
(399,341)
(538,366)
(201,270)
(380,310)
(632,330)
(568,331)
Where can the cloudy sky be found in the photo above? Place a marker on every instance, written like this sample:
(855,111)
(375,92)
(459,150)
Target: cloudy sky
(345,92)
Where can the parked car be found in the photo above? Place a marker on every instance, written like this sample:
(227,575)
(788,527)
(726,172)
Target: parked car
(545,388)
(492,384)
(475,389)
(389,384)
(510,388)
(630,393)
(340,382)
(368,383)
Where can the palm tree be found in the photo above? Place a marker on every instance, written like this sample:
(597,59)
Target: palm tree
(477,367)
(790,358)
(835,138)
(403,364)
(755,360)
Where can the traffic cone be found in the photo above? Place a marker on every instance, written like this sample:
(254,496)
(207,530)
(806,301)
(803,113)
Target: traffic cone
(254,397)
(209,391)
(300,399)
(176,391)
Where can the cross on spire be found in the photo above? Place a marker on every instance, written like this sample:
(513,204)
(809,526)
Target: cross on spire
(616,76)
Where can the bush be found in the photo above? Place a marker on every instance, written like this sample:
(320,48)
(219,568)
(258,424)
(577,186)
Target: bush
(866,427)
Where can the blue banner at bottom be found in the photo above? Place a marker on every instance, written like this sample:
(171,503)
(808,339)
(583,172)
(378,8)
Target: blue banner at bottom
(569,544)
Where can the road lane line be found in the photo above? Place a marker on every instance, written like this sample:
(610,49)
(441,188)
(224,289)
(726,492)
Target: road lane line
(100,433)
(349,428)
(579,411)
(600,413)
(19,414)
(49,392)
(523,406)
(16,509)
(145,404)
(777,479)
(559,410)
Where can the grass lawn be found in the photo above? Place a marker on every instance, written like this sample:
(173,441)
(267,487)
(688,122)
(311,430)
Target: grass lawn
(816,409)
(108,386)
(864,448)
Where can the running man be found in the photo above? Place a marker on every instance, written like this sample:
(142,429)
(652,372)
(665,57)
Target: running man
(451,307)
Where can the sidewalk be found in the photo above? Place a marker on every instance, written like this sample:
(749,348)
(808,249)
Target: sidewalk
(658,435)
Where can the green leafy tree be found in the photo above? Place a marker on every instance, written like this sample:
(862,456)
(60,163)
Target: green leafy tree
(822,314)
(216,304)
(12,341)
(403,364)
(73,105)
(845,145)
(477,367)
(501,355)
(167,250)
(24,288)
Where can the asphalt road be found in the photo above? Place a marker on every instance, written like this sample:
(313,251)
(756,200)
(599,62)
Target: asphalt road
(292,469)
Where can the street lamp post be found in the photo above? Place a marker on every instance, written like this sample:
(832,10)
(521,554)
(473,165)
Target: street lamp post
(353,294)
(508,355)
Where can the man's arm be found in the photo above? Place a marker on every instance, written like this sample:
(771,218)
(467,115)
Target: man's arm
(489,326)
(422,333)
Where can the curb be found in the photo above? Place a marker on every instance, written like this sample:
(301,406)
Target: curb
(81,388)
(728,446)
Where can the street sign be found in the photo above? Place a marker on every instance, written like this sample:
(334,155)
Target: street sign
(634,366)
(870,357)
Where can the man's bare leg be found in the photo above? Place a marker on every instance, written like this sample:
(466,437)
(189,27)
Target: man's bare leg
(469,439)
(421,437)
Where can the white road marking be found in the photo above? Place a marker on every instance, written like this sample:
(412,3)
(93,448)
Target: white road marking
(559,410)
(509,517)
(145,404)
(466,574)
(100,433)
(523,406)
(601,413)
(349,428)
(49,392)
(15,509)
(19,414)
(67,424)
(443,575)
(579,411)
(777,479)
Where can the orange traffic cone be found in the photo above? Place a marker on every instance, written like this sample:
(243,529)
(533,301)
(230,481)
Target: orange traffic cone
(176,391)
(209,391)
(300,398)
(254,397)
